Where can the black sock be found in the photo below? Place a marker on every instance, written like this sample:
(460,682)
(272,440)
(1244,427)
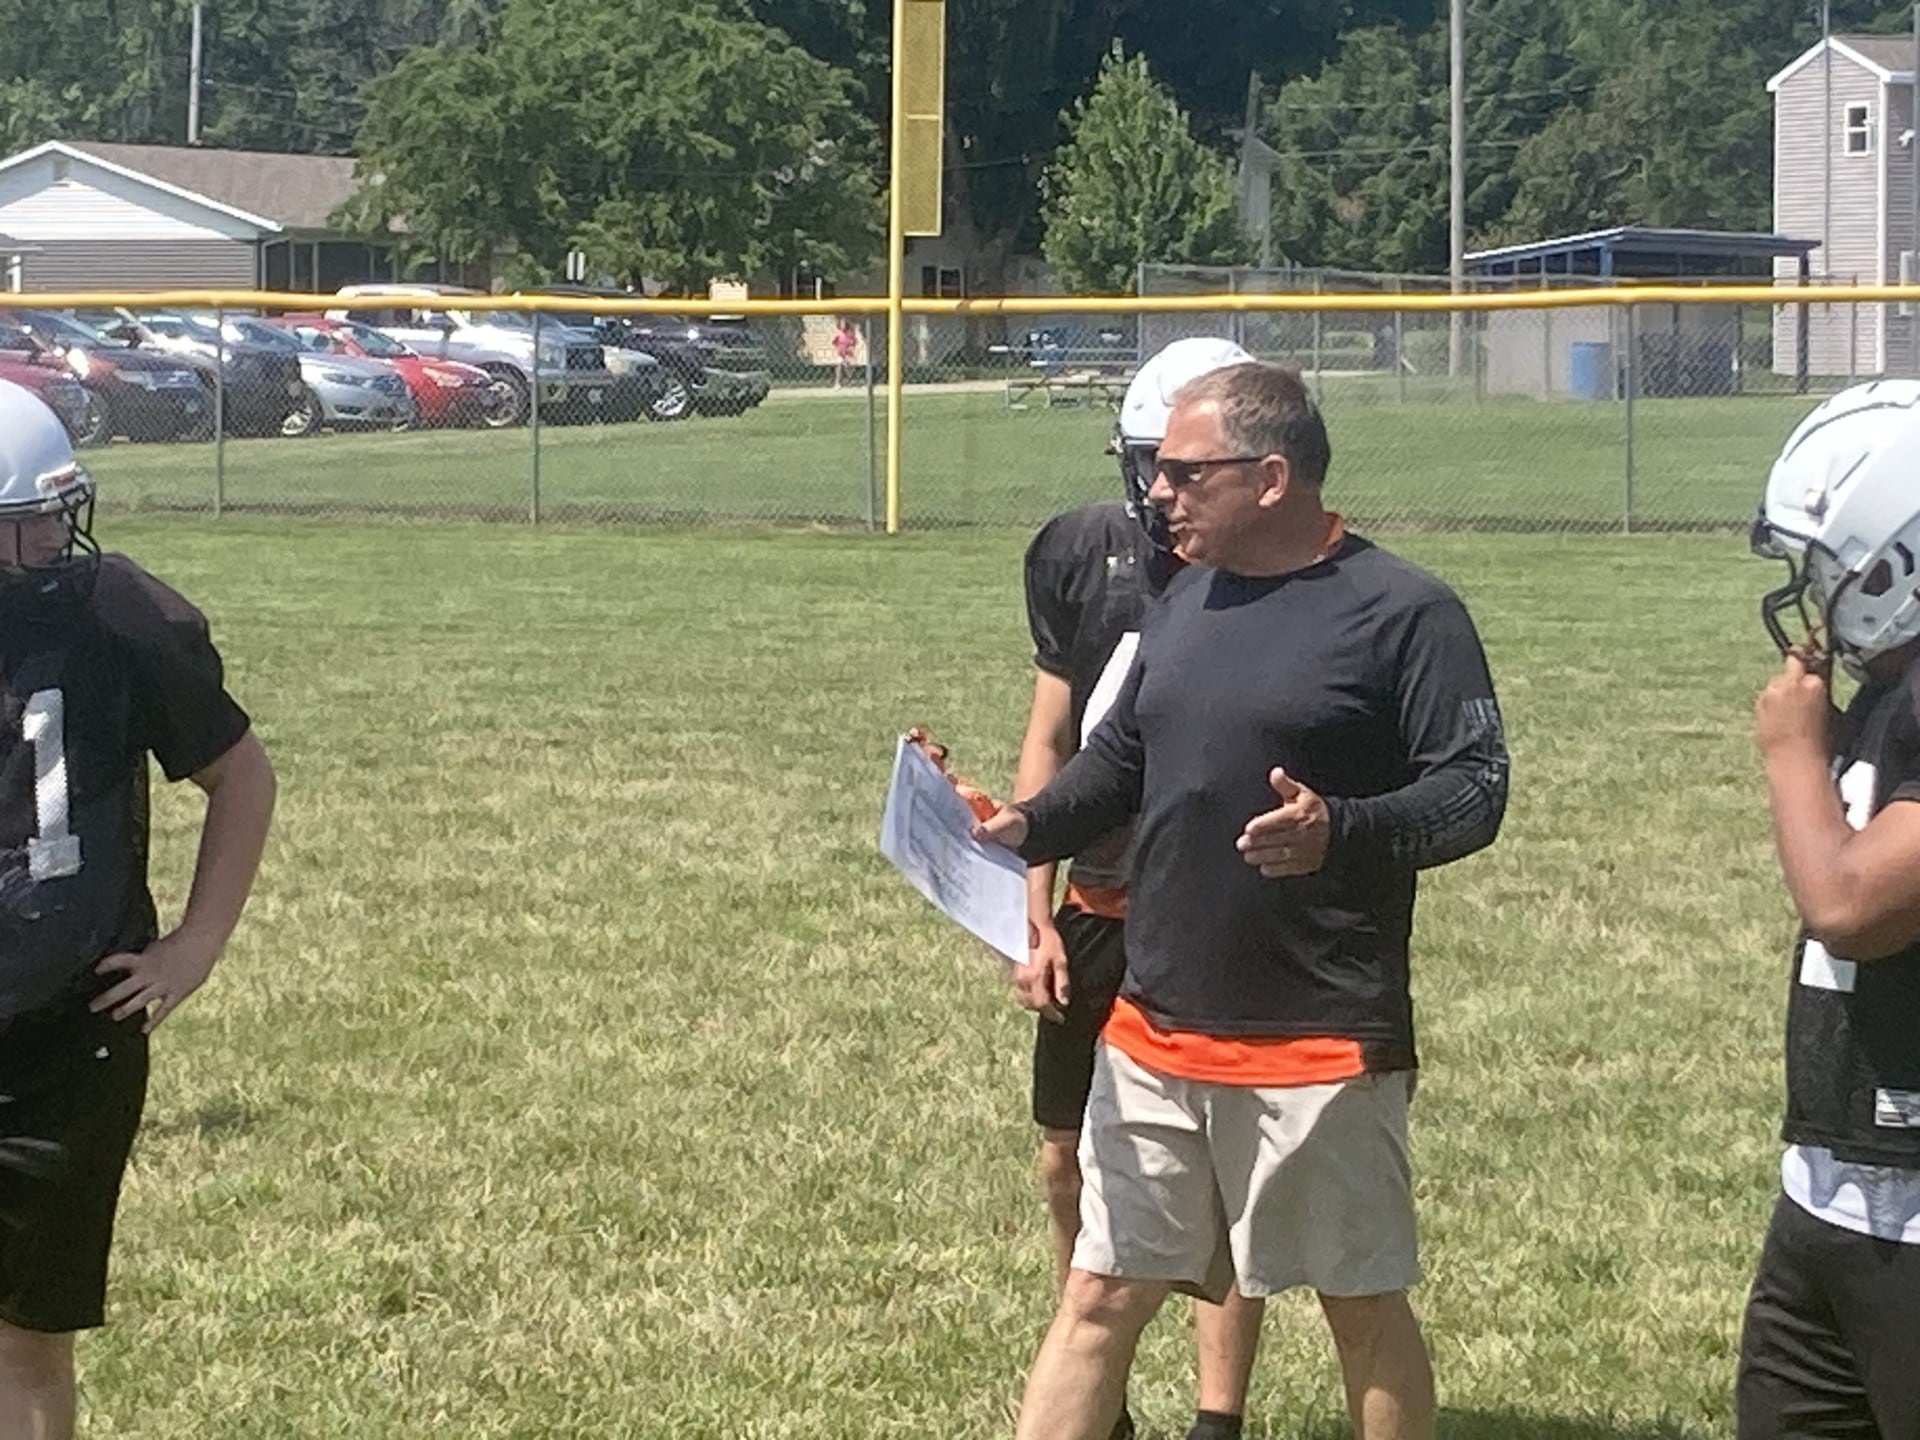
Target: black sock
(1215,1425)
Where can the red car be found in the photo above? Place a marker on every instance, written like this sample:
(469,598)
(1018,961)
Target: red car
(47,376)
(445,392)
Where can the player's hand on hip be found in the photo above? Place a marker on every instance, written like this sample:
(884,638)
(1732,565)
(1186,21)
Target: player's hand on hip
(156,979)
(1008,828)
(1041,984)
(1794,710)
(1292,838)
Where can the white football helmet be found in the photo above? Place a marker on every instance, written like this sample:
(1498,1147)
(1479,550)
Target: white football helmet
(1143,418)
(1842,508)
(38,474)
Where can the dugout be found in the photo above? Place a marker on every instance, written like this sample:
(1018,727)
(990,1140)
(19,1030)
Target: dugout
(1583,353)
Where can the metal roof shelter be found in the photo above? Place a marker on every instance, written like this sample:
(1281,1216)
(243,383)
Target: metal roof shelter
(1638,252)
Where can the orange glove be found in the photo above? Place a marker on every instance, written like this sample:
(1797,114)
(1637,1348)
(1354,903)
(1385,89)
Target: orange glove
(983,805)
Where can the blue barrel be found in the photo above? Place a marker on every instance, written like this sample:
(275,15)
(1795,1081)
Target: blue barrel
(1590,370)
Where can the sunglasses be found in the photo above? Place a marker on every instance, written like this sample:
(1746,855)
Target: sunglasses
(1182,473)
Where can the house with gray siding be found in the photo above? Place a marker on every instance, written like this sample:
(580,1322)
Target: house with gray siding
(95,216)
(1843,167)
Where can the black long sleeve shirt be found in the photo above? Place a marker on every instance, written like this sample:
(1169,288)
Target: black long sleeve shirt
(1361,676)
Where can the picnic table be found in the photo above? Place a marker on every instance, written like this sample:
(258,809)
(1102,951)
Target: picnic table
(1059,374)
(1082,386)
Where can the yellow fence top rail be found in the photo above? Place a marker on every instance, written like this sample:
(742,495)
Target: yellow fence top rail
(1298,300)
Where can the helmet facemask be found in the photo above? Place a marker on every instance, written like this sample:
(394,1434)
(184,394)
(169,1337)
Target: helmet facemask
(1788,603)
(72,566)
(1822,594)
(1139,463)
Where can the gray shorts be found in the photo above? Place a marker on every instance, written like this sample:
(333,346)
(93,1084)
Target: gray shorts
(1202,1185)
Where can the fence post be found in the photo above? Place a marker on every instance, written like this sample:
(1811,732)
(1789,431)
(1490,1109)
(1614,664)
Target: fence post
(1740,349)
(533,430)
(219,411)
(1319,390)
(1477,337)
(1400,346)
(873,454)
(1853,335)
(1546,351)
(1802,344)
(1632,384)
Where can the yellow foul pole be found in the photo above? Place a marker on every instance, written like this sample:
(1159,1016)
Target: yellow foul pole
(913,186)
(896,264)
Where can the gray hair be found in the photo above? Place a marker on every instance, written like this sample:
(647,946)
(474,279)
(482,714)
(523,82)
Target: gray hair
(1266,410)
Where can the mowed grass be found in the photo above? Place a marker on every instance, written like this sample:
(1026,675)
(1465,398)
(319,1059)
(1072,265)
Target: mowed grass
(968,460)
(581,1070)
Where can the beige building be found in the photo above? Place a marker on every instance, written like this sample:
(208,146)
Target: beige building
(1844,160)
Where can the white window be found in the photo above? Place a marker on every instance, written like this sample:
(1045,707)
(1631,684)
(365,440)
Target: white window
(1859,130)
(942,282)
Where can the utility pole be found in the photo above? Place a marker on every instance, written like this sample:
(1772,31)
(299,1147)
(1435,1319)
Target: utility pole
(1826,138)
(193,82)
(1912,267)
(1255,184)
(1457,180)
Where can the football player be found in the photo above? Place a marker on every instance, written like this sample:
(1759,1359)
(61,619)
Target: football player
(1090,575)
(100,666)
(1831,1342)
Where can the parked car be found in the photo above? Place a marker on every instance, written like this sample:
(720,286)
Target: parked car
(575,383)
(731,355)
(260,384)
(682,363)
(345,392)
(445,392)
(134,393)
(46,374)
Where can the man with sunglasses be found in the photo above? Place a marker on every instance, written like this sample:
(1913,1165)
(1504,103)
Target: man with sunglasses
(1090,575)
(1307,723)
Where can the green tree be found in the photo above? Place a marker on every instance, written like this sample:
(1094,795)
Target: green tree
(1361,182)
(1131,184)
(668,140)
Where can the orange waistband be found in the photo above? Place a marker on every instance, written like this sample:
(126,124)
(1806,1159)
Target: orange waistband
(1109,902)
(1303,1060)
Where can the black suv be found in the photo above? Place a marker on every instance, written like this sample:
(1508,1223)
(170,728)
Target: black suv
(720,366)
(261,385)
(131,392)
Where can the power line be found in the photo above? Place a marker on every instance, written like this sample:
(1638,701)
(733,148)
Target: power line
(1566,92)
(1389,150)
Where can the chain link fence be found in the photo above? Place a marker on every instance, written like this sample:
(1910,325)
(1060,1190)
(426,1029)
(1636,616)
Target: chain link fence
(1601,416)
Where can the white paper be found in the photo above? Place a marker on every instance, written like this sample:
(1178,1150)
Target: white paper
(926,831)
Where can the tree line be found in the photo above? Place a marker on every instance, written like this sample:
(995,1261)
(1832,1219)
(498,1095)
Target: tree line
(679,139)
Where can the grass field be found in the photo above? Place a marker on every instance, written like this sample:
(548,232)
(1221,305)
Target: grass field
(968,460)
(581,1071)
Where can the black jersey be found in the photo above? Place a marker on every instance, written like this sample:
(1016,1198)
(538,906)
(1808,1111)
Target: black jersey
(1090,575)
(94,677)
(1853,1030)
(1363,678)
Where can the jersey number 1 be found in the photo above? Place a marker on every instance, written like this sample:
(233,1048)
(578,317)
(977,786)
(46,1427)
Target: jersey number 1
(53,852)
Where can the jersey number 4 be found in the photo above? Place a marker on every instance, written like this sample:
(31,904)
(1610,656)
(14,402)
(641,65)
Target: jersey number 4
(54,851)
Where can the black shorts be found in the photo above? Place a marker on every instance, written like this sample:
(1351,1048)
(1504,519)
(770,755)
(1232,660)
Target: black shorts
(1063,1051)
(72,1085)
(1831,1344)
